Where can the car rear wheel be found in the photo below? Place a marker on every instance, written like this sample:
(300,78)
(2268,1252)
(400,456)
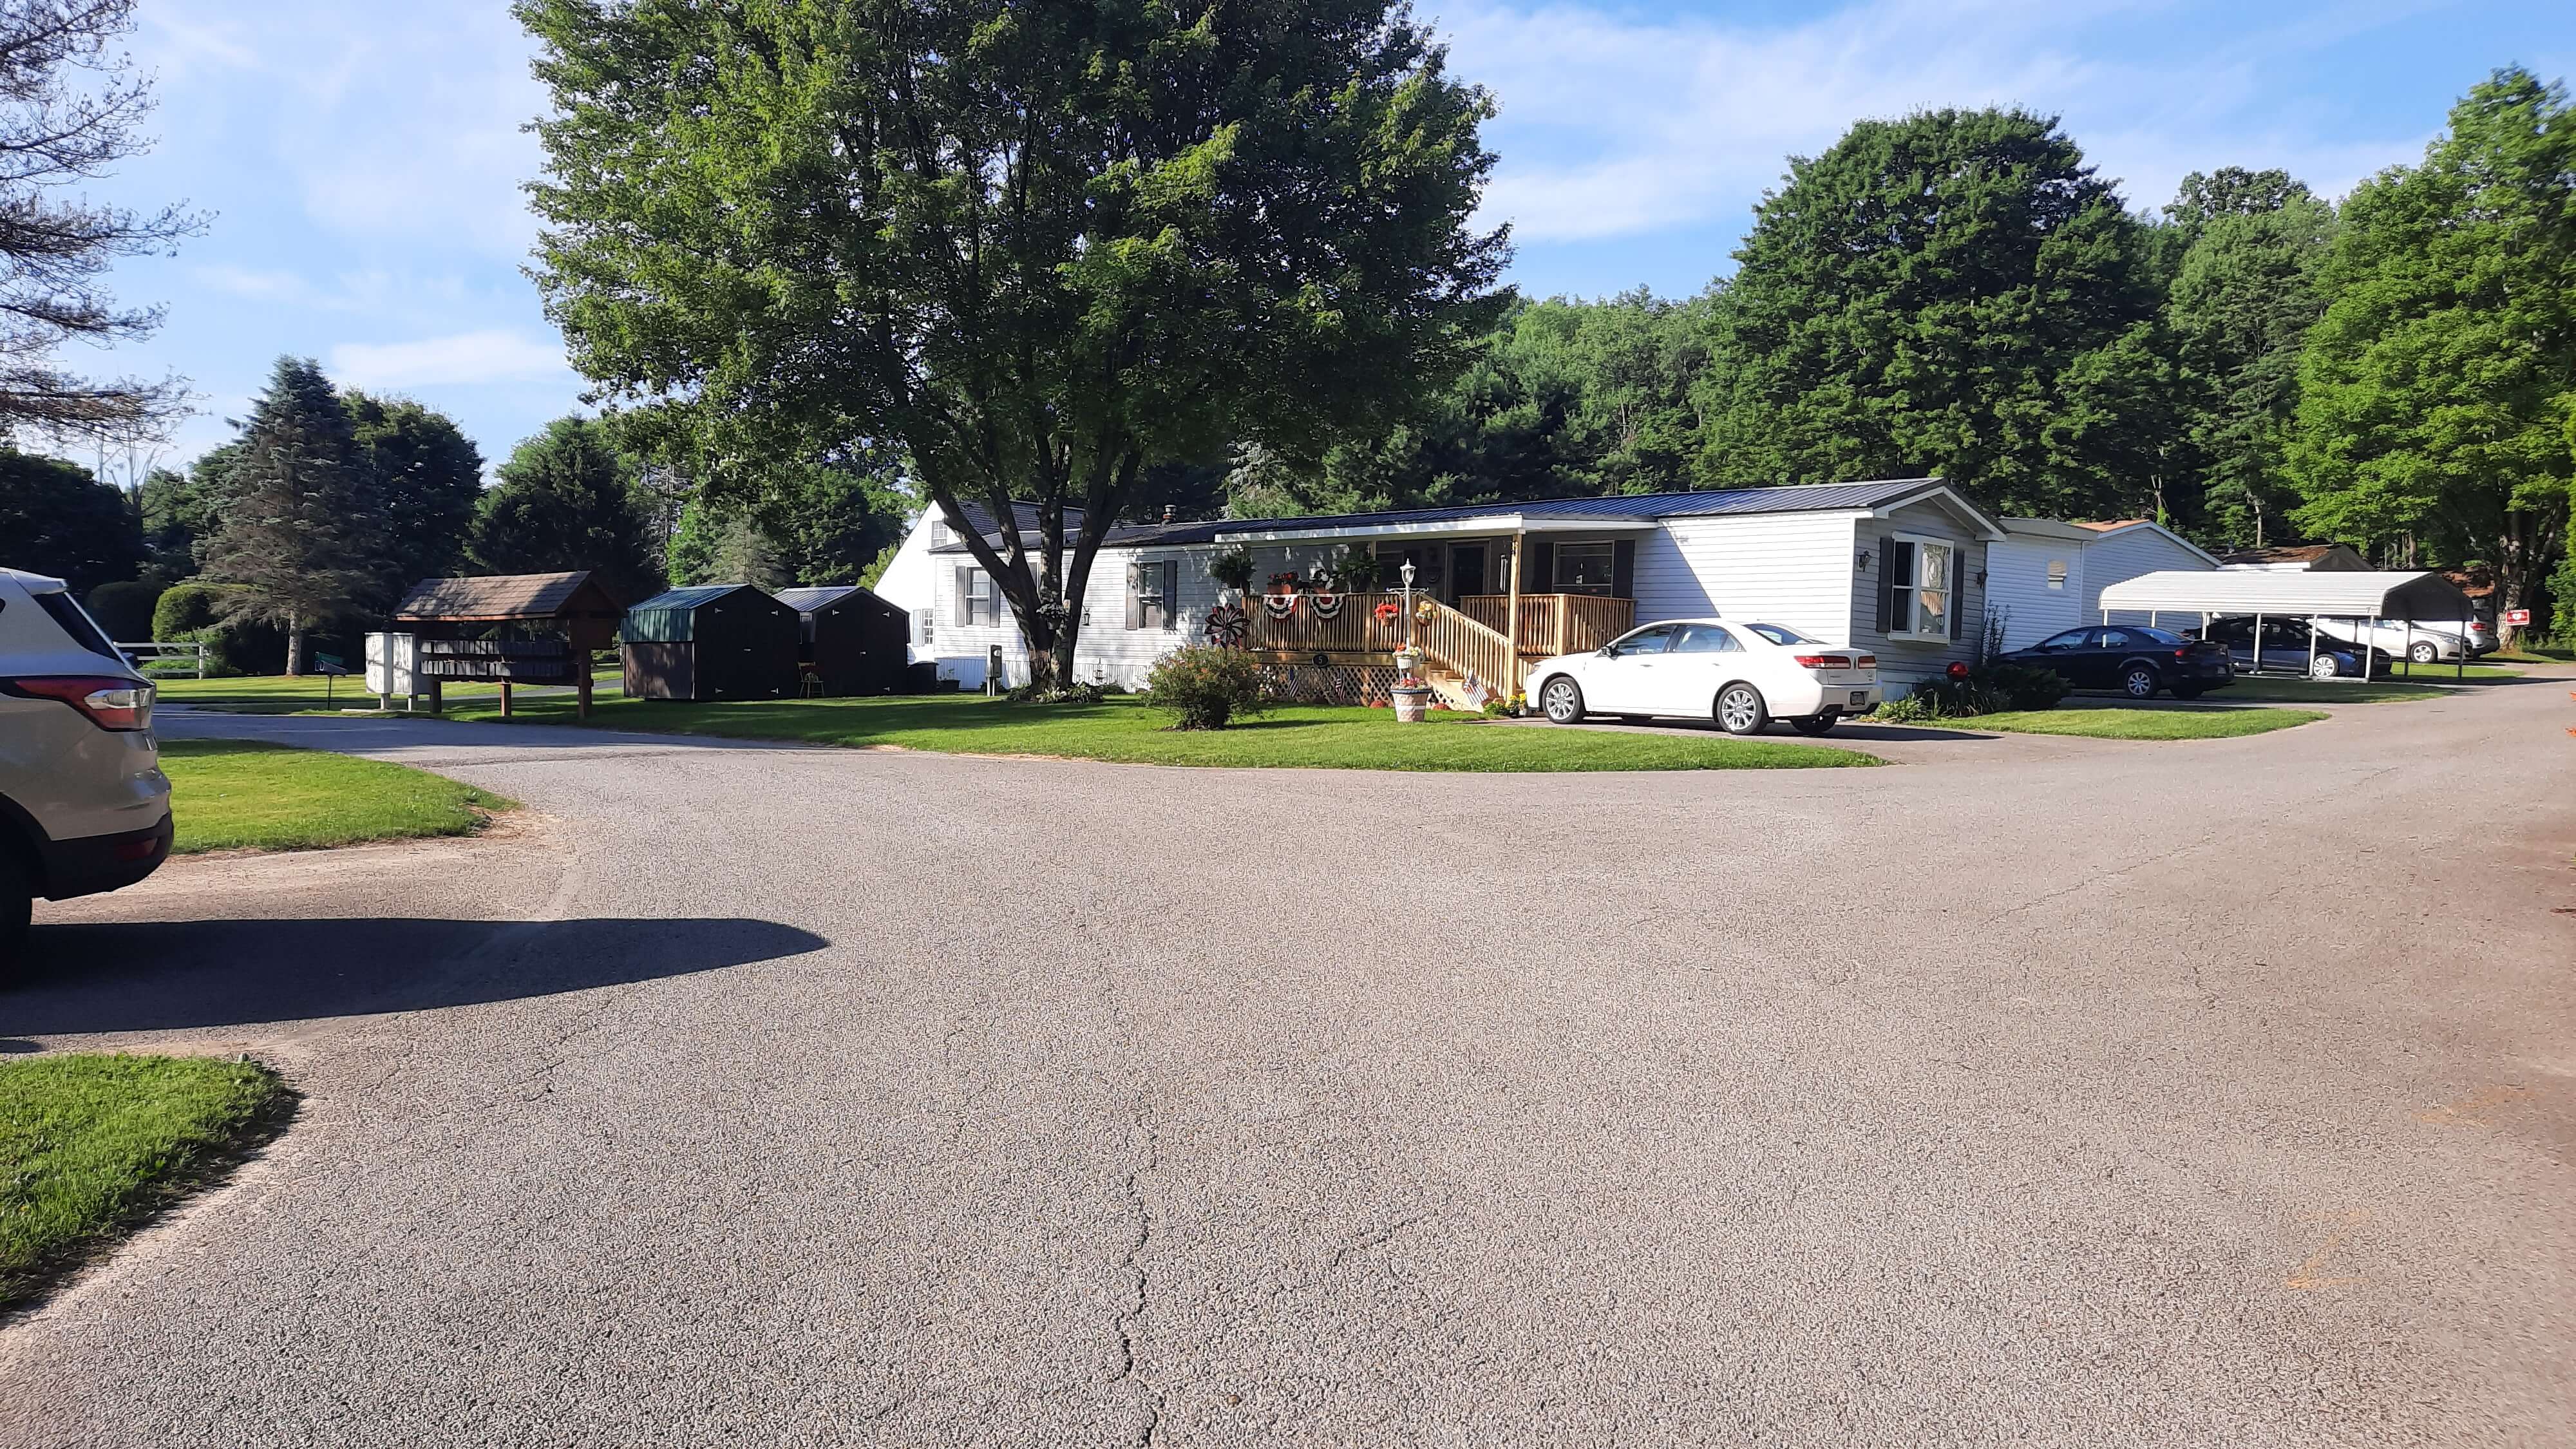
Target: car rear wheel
(1814,724)
(1740,710)
(2324,667)
(2424,651)
(1562,701)
(2139,681)
(17,907)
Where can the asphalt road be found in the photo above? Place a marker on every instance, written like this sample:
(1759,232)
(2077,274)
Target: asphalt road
(2043,1093)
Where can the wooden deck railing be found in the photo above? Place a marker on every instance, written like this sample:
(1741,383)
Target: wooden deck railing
(1555,623)
(1453,640)
(1355,630)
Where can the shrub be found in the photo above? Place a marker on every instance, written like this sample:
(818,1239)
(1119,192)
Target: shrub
(1205,688)
(1063,694)
(124,609)
(183,607)
(1986,689)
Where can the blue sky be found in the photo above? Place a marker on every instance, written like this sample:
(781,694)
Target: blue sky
(363,159)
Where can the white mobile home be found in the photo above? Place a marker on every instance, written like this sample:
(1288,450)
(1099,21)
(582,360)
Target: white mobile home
(1896,567)
(2047,575)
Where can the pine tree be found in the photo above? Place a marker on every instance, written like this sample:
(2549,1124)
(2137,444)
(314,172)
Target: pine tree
(567,500)
(426,478)
(298,532)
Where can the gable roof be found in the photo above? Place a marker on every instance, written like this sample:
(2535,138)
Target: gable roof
(807,600)
(494,597)
(1634,510)
(2085,531)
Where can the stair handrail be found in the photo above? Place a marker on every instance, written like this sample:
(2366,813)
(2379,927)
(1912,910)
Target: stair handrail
(1466,646)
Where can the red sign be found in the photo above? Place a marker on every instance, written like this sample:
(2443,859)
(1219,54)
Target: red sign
(2519,618)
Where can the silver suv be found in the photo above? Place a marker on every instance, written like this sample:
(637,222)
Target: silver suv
(84,806)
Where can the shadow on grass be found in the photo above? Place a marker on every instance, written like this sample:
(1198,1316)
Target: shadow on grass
(171,975)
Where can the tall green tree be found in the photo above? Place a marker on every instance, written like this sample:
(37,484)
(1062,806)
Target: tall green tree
(568,499)
(1041,248)
(2241,303)
(56,518)
(2436,389)
(297,531)
(72,106)
(1913,300)
(425,479)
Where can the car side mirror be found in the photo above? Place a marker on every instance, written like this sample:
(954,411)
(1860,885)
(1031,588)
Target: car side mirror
(1608,651)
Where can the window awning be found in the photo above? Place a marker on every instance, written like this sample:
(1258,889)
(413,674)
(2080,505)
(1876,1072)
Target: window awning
(2426,596)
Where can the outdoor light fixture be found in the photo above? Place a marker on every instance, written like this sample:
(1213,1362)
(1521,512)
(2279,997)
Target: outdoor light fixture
(1407,572)
(1860,561)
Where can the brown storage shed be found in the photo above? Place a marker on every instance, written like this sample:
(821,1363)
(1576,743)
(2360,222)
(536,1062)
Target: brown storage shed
(854,642)
(711,642)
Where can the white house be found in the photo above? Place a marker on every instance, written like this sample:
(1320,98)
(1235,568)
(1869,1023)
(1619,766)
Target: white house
(912,578)
(2046,576)
(1897,567)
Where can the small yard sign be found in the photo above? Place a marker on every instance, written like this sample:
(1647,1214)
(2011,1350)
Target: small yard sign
(2519,618)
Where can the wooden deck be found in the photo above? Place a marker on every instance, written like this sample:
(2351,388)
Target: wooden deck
(1552,624)
(1463,648)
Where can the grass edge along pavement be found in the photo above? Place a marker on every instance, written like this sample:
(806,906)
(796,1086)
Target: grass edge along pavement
(2135,723)
(94,1147)
(255,795)
(1124,730)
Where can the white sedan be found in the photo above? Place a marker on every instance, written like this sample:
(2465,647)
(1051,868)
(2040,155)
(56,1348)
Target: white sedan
(1742,675)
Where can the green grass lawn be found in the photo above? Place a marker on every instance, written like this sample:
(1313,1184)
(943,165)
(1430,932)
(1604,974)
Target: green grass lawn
(91,1146)
(1127,731)
(277,694)
(2140,722)
(228,794)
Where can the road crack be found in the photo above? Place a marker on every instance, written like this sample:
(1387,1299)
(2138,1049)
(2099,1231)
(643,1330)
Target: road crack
(1131,1313)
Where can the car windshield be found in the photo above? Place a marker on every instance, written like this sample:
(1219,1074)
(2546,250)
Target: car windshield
(1781,634)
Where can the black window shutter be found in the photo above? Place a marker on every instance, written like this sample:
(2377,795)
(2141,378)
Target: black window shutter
(1886,583)
(1171,595)
(1623,569)
(1958,590)
(1538,564)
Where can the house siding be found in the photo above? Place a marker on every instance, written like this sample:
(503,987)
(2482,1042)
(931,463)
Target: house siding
(2118,557)
(2017,586)
(907,583)
(1779,568)
(1904,663)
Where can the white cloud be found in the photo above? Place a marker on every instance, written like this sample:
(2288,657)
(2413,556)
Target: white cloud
(1614,126)
(490,356)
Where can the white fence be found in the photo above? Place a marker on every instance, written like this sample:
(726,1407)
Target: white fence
(156,650)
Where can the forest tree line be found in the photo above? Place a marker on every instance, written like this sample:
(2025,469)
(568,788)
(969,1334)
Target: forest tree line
(1955,293)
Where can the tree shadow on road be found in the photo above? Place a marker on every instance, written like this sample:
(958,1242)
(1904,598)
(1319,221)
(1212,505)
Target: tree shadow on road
(172,975)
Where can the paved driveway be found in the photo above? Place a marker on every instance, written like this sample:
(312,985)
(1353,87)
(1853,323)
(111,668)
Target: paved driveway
(2102,1094)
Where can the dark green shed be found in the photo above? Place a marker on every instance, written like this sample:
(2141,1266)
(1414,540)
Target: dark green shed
(854,642)
(713,641)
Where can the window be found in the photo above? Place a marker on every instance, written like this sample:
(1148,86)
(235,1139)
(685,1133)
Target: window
(2060,643)
(1585,568)
(1653,639)
(2114,639)
(1705,639)
(938,534)
(922,618)
(2057,573)
(979,603)
(1919,602)
(1781,634)
(1152,595)
(74,622)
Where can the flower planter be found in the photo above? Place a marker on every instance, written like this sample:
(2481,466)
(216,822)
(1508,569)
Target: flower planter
(1411,703)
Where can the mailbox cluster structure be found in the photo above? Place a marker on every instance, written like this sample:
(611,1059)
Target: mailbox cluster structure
(498,628)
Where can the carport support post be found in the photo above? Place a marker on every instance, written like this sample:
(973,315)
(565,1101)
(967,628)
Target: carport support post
(2258,643)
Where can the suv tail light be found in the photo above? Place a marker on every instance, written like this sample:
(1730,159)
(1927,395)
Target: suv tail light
(110,704)
(1823,661)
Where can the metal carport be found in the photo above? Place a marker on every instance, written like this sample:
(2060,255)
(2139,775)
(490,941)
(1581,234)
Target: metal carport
(2410,598)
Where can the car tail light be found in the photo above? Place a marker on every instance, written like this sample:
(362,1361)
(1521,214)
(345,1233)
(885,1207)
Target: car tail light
(110,704)
(1824,661)
(1866,661)
(2182,654)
